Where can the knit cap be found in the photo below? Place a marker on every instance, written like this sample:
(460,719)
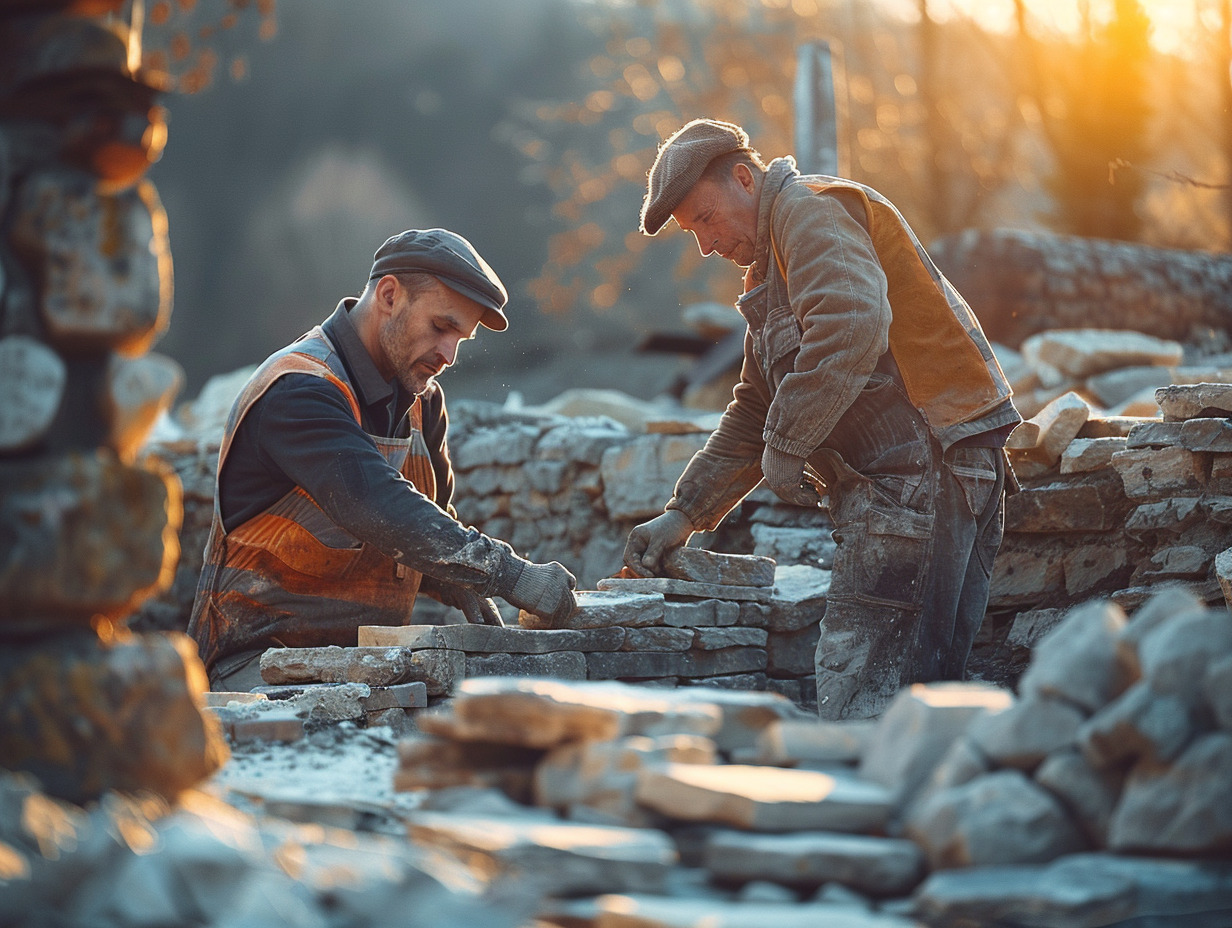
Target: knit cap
(681,160)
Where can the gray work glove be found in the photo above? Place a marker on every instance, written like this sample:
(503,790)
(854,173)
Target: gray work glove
(651,540)
(478,609)
(784,475)
(544,589)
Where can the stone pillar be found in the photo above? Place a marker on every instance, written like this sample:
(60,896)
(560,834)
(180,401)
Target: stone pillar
(87,529)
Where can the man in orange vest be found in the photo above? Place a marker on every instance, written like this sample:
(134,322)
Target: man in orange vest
(332,505)
(866,374)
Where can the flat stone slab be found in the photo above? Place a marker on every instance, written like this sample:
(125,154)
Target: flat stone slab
(484,639)
(764,798)
(556,858)
(1083,455)
(787,742)
(629,911)
(437,669)
(1193,401)
(561,665)
(547,713)
(619,606)
(883,866)
(614,665)
(1079,891)
(702,566)
(668,586)
(1208,434)
(701,613)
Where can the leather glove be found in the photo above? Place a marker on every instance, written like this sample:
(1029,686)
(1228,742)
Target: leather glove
(478,609)
(651,540)
(784,474)
(544,589)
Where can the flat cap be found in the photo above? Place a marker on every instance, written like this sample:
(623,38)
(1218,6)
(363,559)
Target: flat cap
(451,259)
(680,162)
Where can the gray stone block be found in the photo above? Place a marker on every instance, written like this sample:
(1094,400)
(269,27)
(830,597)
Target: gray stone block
(764,798)
(1000,818)
(884,866)
(560,665)
(703,566)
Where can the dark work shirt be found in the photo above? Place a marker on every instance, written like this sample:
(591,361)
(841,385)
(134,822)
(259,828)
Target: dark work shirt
(302,432)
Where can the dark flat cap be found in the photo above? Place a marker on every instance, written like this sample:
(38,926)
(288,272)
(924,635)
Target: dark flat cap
(451,259)
(680,162)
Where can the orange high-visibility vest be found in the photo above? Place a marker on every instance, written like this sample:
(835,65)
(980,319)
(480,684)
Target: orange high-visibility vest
(292,577)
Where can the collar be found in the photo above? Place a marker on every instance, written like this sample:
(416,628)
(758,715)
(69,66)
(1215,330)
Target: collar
(365,378)
(779,172)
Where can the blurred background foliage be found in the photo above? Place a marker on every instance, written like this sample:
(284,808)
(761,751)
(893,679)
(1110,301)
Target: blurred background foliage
(304,134)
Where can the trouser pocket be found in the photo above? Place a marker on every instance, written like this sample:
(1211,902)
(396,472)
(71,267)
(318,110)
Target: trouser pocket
(883,551)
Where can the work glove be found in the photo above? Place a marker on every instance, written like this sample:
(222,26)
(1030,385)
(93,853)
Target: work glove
(784,475)
(478,609)
(651,540)
(544,589)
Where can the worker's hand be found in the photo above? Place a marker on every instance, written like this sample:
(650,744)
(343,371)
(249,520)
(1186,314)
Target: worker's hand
(651,540)
(544,589)
(478,609)
(784,475)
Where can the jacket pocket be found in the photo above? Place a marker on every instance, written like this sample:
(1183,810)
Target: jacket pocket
(780,338)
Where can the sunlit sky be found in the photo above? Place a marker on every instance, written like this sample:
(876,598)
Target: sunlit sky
(1171,20)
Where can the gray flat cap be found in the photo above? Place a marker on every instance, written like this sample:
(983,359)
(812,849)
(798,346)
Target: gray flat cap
(680,162)
(451,259)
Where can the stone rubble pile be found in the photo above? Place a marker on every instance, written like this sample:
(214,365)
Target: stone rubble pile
(1101,794)
(133,860)
(1115,506)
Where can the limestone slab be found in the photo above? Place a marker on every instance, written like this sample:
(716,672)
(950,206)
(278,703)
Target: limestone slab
(703,566)
(884,866)
(792,742)
(744,711)
(482,639)
(1192,401)
(1157,472)
(1085,352)
(639,476)
(560,665)
(668,586)
(715,639)
(547,713)
(658,638)
(1083,455)
(1059,508)
(556,858)
(614,665)
(764,798)
(438,669)
(609,606)
(700,613)
(617,911)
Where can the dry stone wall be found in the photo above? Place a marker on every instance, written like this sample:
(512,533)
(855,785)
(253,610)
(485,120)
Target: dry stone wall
(1021,283)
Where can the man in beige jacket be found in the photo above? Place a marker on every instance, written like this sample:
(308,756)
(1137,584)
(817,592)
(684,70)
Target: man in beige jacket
(867,377)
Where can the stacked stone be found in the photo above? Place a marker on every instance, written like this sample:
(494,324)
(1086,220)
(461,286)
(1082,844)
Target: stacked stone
(1024,282)
(90,531)
(1113,507)
(1100,795)
(736,624)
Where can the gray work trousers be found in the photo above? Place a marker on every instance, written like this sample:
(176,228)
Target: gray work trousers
(917,531)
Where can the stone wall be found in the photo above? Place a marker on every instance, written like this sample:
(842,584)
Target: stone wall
(1020,283)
